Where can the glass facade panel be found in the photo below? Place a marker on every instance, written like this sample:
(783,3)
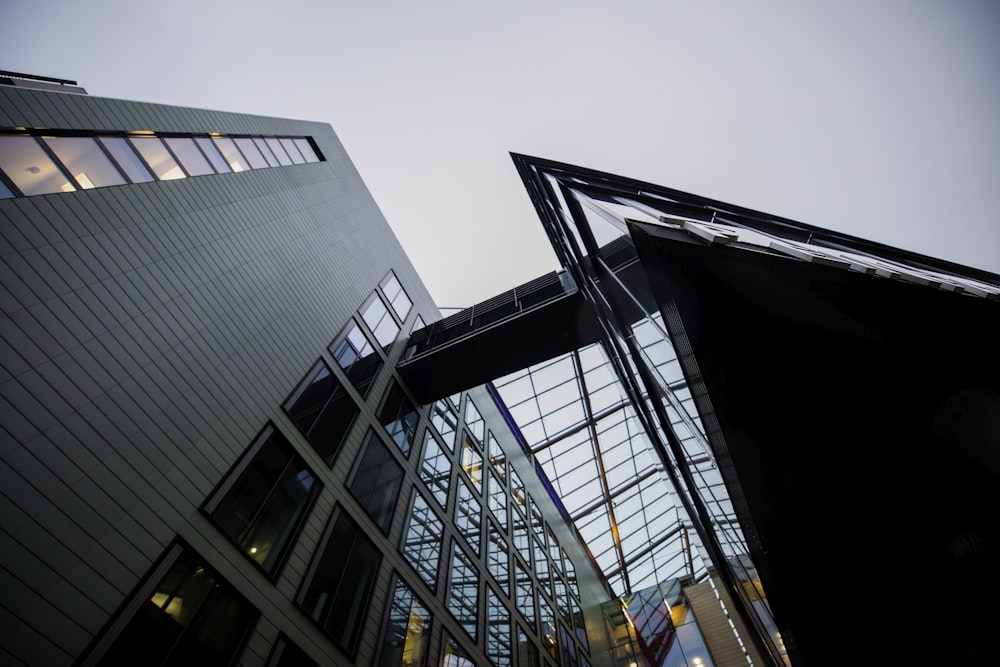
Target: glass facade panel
(520,536)
(474,421)
(407,632)
(128,160)
(498,644)
(29,167)
(250,153)
(379,321)
(463,592)
(159,159)
(422,540)
(85,160)
(549,627)
(262,507)
(189,155)
(293,151)
(435,469)
(376,482)
(497,495)
(190,617)
(497,558)
(357,357)
(524,594)
(527,652)
(265,150)
(400,418)
(453,655)
(285,653)
(445,421)
(234,158)
(541,565)
(279,151)
(337,593)
(472,463)
(323,411)
(397,297)
(468,516)
(498,459)
(211,151)
(307,150)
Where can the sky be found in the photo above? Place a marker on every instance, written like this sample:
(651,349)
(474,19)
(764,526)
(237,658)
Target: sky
(876,118)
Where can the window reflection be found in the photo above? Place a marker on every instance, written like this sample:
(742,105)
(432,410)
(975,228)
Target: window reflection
(307,150)
(497,558)
(422,540)
(322,410)
(189,155)
(524,594)
(497,499)
(472,463)
(453,655)
(498,644)
(463,592)
(87,163)
(445,421)
(527,652)
(408,630)
(293,151)
(278,150)
(211,151)
(250,151)
(357,357)
(127,160)
(435,469)
(474,421)
(498,459)
(379,322)
(393,291)
(158,158)
(399,417)
(376,481)
(550,629)
(468,516)
(231,153)
(30,169)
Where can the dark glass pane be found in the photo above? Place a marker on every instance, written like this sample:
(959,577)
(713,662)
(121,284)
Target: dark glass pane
(399,418)
(468,516)
(323,411)
(287,654)
(422,540)
(211,151)
(265,150)
(527,652)
(307,150)
(190,157)
(376,482)
(126,157)
(357,357)
(158,158)
(30,168)
(568,648)
(407,632)
(85,161)
(279,151)
(379,321)
(435,469)
(338,594)
(463,592)
(262,509)
(249,150)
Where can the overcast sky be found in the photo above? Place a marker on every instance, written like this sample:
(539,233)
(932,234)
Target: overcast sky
(878,118)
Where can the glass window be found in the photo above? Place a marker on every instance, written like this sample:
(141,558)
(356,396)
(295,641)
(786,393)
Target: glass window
(249,150)
(185,614)
(517,490)
(474,421)
(292,150)
(435,469)
(571,575)
(521,538)
(285,653)
(278,150)
(376,481)
(263,501)
(399,418)
(407,631)
(158,158)
(129,162)
(453,655)
(190,157)
(541,564)
(445,421)
(422,540)
(463,592)
(581,624)
(306,149)
(468,516)
(265,150)
(496,557)
(29,167)
(472,462)
(338,589)
(322,410)
(497,499)
(527,652)
(85,160)
(498,459)
(524,593)
(498,644)
(234,158)
(357,357)
(568,647)
(550,629)
(400,302)
(211,151)
(379,322)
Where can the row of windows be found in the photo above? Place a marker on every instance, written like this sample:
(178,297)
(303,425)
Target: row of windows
(263,502)
(36,164)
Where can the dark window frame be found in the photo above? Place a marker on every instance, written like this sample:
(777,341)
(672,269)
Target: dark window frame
(303,385)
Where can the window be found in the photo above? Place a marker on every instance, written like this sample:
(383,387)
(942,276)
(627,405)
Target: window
(498,645)
(263,501)
(322,410)
(338,588)
(30,168)
(435,469)
(399,418)
(286,654)
(379,322)
(376,481)
(211,151)
(305,147)
(184,614)
(497,499)
(130,163)
(497,559)
(527,652)
(249,150)
(85,160)
(293,151)
(463,591)
(474,421)
(422,540)
(189,155)
(445,421)
(541,565)
(524,593)
(468,515)
(265,150)
(550,629)
(278,150)
(407,630)
(231,153)
(453,655)
(159,159)
(472,462)
(397,297)
(357,357)
(497,457)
